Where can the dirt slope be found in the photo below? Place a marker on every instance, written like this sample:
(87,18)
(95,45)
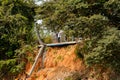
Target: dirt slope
(61,63)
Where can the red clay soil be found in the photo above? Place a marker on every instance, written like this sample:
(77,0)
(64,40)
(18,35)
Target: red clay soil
(61,62)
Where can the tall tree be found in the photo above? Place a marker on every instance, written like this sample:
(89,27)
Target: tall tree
(16,25)
(98,20)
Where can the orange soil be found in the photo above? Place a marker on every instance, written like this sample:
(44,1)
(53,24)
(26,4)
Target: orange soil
(61,62)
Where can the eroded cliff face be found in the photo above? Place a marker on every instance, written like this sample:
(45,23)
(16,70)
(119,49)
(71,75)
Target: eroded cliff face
(61,63)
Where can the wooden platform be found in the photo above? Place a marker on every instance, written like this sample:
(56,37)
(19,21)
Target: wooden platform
(62,44)
(41,51)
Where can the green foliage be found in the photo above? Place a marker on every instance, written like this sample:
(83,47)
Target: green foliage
(74,76)
(59,58)
(69,78)
(47,39)
(10,68)
(107,50)
(97,21)
(78,52)
(8,63)
(16,69)
(21,53)
(16,28)
(5,67)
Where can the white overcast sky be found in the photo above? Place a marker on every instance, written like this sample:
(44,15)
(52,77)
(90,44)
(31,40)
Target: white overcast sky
(38,2)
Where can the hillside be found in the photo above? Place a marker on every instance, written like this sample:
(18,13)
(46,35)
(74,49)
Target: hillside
(24,25)
(61,63)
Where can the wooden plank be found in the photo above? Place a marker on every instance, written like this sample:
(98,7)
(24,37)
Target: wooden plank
(62,44)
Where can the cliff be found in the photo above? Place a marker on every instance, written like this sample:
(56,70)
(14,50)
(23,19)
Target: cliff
(61,63)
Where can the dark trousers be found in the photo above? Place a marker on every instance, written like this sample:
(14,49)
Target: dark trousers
(58,39)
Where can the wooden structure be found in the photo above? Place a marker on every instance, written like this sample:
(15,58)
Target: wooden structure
(42,48)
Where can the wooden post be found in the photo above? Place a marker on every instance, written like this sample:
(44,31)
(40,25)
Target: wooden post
(36,59)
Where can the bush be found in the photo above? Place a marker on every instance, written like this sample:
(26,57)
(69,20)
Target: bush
(10,68)
(106,51)
(78,51)
(47,39)
(74,76)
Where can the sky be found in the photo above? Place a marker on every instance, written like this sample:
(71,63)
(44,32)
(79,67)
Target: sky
(39,22)
(39,2)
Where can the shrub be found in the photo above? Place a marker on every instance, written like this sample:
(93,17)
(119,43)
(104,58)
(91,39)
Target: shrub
(47,39)
(74,76)
(78,52)
(106,51)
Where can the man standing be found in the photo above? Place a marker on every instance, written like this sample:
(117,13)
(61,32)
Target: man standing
(60,35)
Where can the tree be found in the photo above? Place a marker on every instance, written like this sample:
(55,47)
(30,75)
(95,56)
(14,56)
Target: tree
(98,20)
(16,29)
